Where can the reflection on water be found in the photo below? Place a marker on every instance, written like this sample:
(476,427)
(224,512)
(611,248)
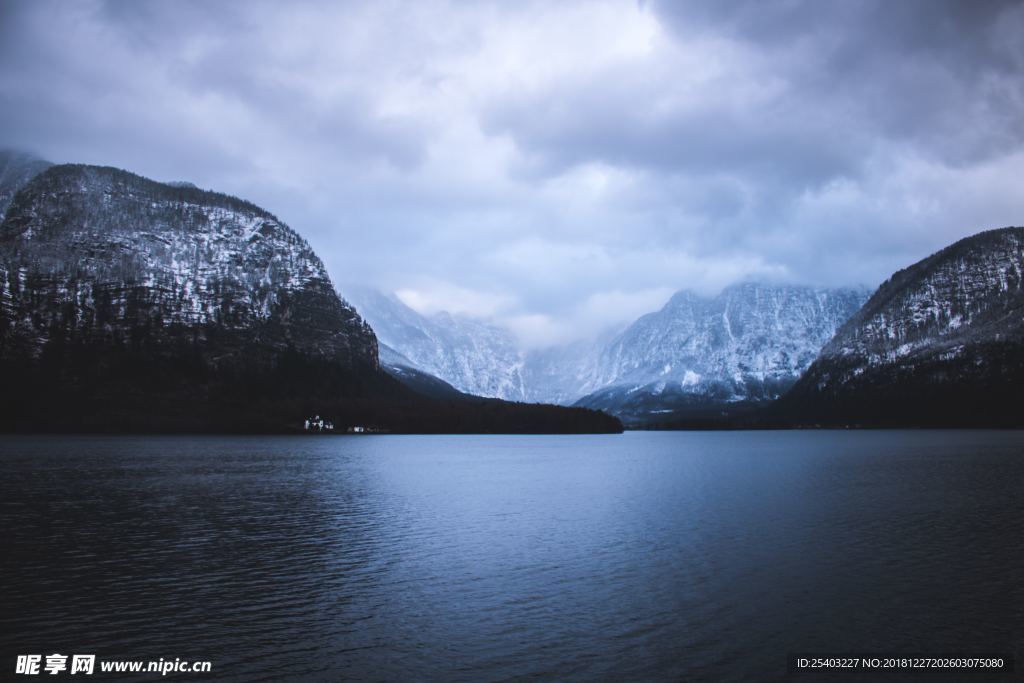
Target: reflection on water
(642,556)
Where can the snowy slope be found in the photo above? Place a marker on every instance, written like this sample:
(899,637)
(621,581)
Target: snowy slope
(970,290)
(471,355)
(748,344)
(952,324)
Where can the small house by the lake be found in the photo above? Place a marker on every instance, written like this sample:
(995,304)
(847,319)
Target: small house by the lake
(318,424)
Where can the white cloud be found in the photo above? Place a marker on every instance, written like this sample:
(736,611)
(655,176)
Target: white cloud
(434,296)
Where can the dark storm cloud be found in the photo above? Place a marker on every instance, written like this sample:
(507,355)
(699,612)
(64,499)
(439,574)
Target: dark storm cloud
(943,76)
(139,56)
(923,70)
(806,103)
(776,142)
(557,165)
(210,60)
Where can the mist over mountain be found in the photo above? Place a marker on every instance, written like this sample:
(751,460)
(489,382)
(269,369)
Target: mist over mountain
(562,374)
(940,342)
(16,170)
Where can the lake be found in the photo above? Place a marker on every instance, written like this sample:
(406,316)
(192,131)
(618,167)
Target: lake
(643,556)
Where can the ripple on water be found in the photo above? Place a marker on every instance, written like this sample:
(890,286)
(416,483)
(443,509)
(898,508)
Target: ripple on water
(642,556)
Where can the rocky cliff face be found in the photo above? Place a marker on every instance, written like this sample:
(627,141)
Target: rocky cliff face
(101,256)
(749,344)
(942,341)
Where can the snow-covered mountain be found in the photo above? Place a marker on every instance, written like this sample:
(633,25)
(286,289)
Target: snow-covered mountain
(96,255)
(941,341)
(747,345)
(472,355)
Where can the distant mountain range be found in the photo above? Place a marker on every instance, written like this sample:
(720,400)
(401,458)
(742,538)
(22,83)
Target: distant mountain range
(744,347)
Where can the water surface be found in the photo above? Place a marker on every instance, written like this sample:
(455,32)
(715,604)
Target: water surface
(645,556)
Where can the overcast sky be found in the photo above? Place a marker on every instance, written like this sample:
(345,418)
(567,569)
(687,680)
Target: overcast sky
(557,166)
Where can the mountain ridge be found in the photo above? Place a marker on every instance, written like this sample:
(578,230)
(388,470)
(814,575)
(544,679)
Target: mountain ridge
(743,347)
(660,349)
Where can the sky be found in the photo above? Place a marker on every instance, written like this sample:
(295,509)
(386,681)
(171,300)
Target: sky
(557,167)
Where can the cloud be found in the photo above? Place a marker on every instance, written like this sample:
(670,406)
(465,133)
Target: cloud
(551,165)
(434,297)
